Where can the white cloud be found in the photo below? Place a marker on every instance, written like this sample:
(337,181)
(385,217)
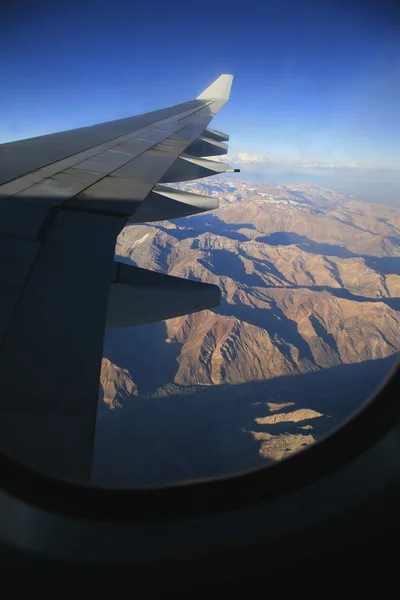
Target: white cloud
(289,163)
(243,157)
(315,164)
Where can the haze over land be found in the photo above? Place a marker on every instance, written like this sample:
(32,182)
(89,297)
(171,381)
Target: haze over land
(307,327)
(368,182)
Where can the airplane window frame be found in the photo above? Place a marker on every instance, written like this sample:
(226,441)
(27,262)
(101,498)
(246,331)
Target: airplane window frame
(191,498)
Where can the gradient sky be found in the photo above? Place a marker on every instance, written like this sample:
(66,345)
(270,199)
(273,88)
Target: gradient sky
(314,81)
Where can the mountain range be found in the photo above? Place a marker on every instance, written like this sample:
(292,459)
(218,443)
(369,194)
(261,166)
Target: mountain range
(307,327)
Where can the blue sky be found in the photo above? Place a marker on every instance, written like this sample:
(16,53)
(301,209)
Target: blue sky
(317,83)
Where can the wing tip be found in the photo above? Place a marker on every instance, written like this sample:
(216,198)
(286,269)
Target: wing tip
(220,89)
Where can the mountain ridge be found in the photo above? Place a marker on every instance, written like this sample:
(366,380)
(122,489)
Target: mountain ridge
(290,305)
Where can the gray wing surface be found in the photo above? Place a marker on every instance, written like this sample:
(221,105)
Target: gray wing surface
(64,198)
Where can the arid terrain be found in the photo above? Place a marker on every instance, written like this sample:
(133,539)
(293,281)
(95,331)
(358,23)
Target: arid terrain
(307,327)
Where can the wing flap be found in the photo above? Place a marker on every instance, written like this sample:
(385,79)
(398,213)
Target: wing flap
(213,134)
(186,168)
(167,203)
(203,146)
(139,296)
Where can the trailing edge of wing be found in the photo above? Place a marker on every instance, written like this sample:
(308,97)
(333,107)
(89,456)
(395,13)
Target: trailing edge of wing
(186,168)
(168,203)
(139,296)
(220,89)
(218,136)
(203,146)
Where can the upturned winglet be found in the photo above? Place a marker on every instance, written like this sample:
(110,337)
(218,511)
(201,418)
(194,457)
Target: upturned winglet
(220,89)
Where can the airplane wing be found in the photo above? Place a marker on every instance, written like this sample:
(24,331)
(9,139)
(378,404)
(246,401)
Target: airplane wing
(64,198)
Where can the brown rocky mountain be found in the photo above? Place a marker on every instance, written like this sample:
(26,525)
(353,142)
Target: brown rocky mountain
(310,281)
(116,383)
